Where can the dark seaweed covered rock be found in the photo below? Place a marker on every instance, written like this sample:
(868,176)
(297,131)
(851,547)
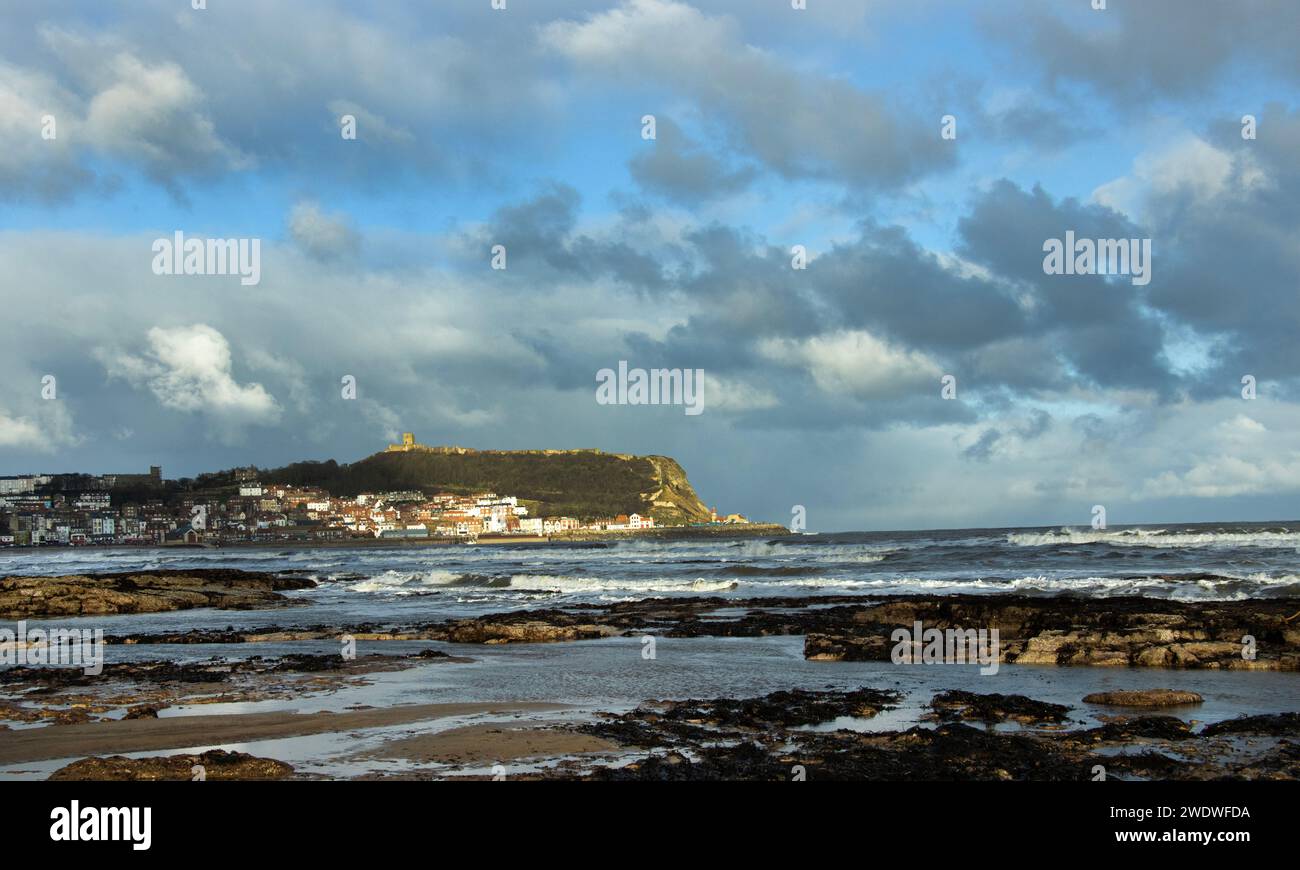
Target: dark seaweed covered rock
(1281,724)
(996,708)
(214,765)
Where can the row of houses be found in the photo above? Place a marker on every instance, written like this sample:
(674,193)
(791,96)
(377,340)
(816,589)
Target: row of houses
(275,512)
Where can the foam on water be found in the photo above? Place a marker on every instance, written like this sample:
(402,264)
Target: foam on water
(588,585)
(1221,561)
(1136,537)
(405,583)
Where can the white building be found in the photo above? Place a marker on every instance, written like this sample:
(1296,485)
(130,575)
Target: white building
(22,485)
(93,501)
(555,525)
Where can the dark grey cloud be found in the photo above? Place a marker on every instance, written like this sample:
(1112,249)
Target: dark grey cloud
(1141,50)
(677,168)
(542,245)
(982,449)
(1039,422)
(1038,124)
(1099,323)
(1005,332)
(884,281)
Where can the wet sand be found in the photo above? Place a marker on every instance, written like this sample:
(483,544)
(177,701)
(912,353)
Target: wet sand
(482,744)
(175,732)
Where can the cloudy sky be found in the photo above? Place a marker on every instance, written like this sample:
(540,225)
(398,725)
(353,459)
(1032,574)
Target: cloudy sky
(775,127)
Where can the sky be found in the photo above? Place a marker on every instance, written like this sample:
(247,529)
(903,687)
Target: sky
(922,152)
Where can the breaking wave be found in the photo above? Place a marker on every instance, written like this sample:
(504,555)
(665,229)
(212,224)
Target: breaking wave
(405,582)
(1157,538)
(560,583)
(1202,587)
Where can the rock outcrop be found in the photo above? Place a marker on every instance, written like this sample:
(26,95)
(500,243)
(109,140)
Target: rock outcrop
(213,765)
(1112,632)
(1064,631)
(970,706)
(766,739)
(142,592)
(1107,632)
(1144,698)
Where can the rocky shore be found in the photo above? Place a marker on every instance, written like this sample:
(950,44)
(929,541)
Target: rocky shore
(25,597)
(1123,632)
(85,723)
(1259,634)
(757,739)
(1110,632)
(143,689)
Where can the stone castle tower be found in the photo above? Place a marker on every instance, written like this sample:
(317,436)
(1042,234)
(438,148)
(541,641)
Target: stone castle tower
(408,444)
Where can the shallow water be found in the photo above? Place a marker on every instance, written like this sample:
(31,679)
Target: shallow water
(610,675)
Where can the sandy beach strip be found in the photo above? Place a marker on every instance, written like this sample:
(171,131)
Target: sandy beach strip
(178,732)
(484,742)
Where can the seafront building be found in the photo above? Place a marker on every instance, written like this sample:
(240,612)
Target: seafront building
(276,512)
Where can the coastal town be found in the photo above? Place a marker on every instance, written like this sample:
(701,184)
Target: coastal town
(140,509)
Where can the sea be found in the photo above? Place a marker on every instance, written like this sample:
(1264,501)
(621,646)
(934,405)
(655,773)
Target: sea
(1199,562)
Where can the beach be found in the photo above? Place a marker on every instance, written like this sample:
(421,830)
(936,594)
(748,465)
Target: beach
(725,659)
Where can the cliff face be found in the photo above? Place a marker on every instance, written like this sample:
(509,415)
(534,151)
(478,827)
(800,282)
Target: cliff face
(579,483)
(675,500)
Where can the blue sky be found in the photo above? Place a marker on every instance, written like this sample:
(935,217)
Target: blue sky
(776,127)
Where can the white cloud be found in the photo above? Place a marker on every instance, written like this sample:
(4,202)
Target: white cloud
(19,432)
(111,103)
(321,235)
(30,163)
(188,369)
(855,362)
(384,418)
(1190,166)
(289,371)
(153,113)
(1225,476)
(43,426)
(1237,455)
(735,395)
